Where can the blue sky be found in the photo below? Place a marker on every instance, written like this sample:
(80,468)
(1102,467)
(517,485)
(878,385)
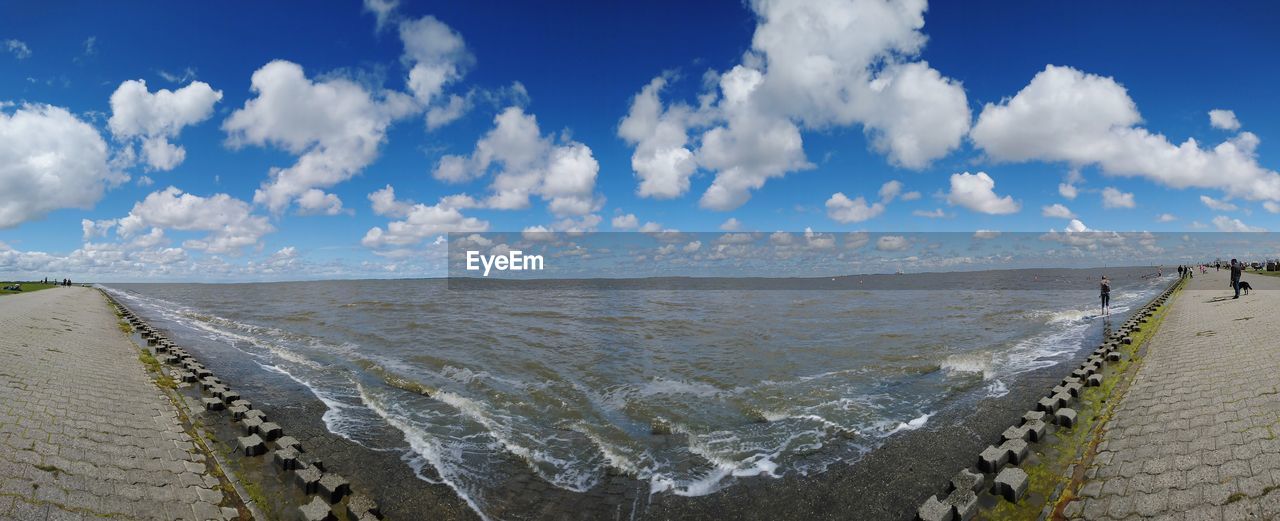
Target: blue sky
(1130,84)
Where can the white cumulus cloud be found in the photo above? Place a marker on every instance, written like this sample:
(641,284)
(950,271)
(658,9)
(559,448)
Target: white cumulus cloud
(813,64)
(1114,198)
(844,210)
(1057,210)
(155,118)
(977,192)
(334,125)
(528,164)
(1224,119)
(1067,115)
(49,159)
(229,222)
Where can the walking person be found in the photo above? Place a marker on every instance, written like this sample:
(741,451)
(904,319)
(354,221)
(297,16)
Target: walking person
(1106,296)
(1235,277)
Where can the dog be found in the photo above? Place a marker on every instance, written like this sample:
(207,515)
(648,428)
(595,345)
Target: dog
(1245,287)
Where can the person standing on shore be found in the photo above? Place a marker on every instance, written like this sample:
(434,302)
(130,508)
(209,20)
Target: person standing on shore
(1235,277)
(1106,296)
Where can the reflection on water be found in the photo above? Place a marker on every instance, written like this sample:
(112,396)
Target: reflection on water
(683,389)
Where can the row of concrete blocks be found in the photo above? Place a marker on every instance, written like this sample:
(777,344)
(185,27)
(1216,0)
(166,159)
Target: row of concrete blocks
(309,474)
(1010,482)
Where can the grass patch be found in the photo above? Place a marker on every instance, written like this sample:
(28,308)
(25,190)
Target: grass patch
(27,287)
(154,367)
(1060,460)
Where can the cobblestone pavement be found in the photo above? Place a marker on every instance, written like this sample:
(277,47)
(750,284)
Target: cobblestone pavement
(84,432)
(1195,437)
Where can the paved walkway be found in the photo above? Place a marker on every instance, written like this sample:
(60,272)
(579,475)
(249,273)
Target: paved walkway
(1195,437)
(84,433)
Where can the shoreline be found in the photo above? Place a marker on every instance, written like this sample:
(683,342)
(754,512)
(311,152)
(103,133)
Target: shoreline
(912,459)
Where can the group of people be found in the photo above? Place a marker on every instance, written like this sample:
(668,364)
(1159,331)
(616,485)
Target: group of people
(64,282)
(1187,272)
(1237,268)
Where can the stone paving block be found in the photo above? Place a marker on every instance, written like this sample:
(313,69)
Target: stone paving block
(1035,430)
(251,445)
(934,510)
(286,458)
(237,412)
(308,479)
(289,442)
(270,430)
(992,458)
(1011,484)
(1047,404)
(229,396)
(1016,450)
(964,503)
(1066,417)
(334,487)
(966,480)
(316,510)
(250,424)
(1015,433)
(360,505)
(1032,416)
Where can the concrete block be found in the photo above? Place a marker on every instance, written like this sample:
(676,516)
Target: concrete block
(992,458)
(1047,404)
(1063,399)
(1035,430)
(934,510)
(230,396)
(189,377)
(964,504)
(212,404)
(1127,340)
(1070,380)
(286,458)
(1065,417)
(289,442)
(1016,450)
(308,479)
(237,412)
(1014,433)
(204,372)
(251,445)
(1011,484)
(256,413)
(1074,388)
(250,424)
(270,430)
(360,505)
(966,480)
(242,403)
(1113,357)
(316,510)
(1095,380)
(334,487)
